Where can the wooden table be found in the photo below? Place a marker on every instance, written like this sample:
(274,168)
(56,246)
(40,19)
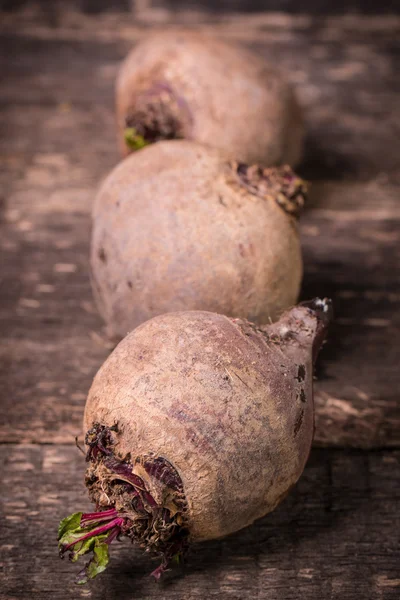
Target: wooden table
(337,534)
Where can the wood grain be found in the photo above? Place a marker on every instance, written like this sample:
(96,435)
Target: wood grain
(335,536)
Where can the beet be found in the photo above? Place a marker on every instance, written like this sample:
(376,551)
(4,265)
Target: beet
(189,85)
(196,425)
(178,227)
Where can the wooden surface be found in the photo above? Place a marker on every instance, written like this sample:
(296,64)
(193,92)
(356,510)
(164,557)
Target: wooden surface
(335,536)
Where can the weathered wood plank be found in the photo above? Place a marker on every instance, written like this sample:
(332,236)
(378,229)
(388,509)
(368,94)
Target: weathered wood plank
(335,536)
(57,107)
(353,254)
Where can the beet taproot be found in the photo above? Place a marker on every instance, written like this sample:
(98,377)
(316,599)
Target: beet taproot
(177,227)
(196,425)
(194,86)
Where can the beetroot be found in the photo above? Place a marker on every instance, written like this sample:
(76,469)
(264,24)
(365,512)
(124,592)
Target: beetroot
(196,425)
(178,84)
(178,227)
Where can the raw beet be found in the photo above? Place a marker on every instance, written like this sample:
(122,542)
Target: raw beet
(197,424)
(178,227)
(178,84)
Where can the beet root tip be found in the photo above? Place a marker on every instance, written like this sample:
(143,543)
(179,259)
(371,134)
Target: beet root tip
(322,307)
(323,312)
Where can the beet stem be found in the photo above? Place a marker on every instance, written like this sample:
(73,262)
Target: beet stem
(98,517)
(97,531)
(112,535)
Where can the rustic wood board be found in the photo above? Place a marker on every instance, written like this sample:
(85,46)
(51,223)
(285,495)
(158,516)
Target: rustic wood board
(336,536)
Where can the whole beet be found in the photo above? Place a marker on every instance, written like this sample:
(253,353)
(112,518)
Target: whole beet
(194,86)
(198,424)
(178,227)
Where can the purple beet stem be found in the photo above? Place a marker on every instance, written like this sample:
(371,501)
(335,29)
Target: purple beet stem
(115,523)
(97,517)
